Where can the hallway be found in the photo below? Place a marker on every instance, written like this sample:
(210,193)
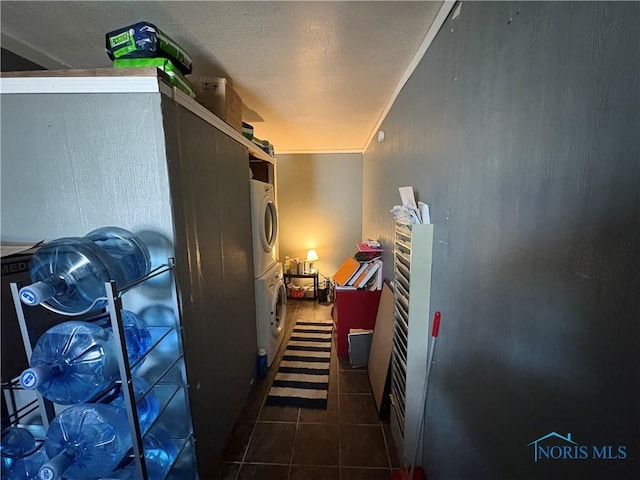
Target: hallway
(347,441)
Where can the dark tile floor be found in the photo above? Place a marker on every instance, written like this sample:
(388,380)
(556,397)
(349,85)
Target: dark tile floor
(347,441)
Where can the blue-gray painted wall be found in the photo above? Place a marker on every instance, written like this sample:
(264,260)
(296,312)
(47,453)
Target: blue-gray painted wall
(520,127)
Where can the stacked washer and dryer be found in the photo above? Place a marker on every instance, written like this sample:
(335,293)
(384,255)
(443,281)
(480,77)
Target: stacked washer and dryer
(271,294)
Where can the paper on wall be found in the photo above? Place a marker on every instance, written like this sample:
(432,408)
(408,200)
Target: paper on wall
(424,212)
(409,212)
(408,199)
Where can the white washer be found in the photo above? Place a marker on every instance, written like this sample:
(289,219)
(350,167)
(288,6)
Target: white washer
(271,311)
(264,216)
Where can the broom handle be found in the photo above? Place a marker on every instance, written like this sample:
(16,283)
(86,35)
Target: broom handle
(432,348)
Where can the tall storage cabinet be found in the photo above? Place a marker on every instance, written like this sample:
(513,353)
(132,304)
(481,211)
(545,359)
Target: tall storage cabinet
(413,250)
(99,148)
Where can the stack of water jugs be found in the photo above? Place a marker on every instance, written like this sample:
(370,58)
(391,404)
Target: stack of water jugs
(75,363)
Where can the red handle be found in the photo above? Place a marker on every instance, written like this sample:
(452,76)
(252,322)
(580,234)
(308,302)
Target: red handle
(436,324)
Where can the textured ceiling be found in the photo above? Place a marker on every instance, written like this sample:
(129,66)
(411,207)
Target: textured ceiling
(317,74)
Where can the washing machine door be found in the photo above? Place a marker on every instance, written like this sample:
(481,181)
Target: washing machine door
(278,309)
(268,224)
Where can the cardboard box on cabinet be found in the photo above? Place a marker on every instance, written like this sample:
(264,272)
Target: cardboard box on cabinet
(217,95)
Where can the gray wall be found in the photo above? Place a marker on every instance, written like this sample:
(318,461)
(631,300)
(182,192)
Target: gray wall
(520,128)
(320,206)
(65,171)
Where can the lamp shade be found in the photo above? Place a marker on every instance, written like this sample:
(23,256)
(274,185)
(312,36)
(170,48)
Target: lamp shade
(312,256)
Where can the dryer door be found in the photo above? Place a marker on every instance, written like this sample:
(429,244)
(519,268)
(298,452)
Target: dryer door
(278,309)
(268,228)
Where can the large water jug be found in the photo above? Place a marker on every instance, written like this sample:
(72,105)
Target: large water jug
(27,468)
(137,335)
(148,404)
(16,442)
(69,274)
(127,249)
(86,441)
(160,452)
(74,361)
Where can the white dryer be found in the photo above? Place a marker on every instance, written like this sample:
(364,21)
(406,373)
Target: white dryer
(271,311)
(264,216)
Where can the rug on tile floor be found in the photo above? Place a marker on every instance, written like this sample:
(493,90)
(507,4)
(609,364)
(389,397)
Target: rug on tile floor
(302,379)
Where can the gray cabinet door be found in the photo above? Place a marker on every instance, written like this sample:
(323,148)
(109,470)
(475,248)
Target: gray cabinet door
(237,260)
(214,268)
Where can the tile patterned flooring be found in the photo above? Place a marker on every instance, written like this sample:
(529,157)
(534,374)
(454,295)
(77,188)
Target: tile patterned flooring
(347,441)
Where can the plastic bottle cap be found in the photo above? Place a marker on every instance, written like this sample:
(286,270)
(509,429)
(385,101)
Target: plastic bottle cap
(46,473)
(36,293)
(29,379)
(262,351)
(27,297)
(57,465)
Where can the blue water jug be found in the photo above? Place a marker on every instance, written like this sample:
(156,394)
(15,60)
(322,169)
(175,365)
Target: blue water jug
(74,361)
(27,468)
(148,406)
(129,251)
(160,452)
(16,442)
(69,274)
(86,441)
(159,316)
(137,335)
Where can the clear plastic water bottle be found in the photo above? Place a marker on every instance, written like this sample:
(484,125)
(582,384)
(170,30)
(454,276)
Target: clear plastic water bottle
(86,441)
(16,442)
(27,468)
(73,361)
(69,274)
(148,406)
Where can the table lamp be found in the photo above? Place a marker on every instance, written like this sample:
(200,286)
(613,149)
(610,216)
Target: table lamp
(312,256)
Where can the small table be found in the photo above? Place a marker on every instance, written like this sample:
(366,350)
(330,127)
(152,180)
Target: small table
(313,276)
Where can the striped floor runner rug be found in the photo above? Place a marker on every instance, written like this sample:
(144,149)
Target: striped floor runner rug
(302,379)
